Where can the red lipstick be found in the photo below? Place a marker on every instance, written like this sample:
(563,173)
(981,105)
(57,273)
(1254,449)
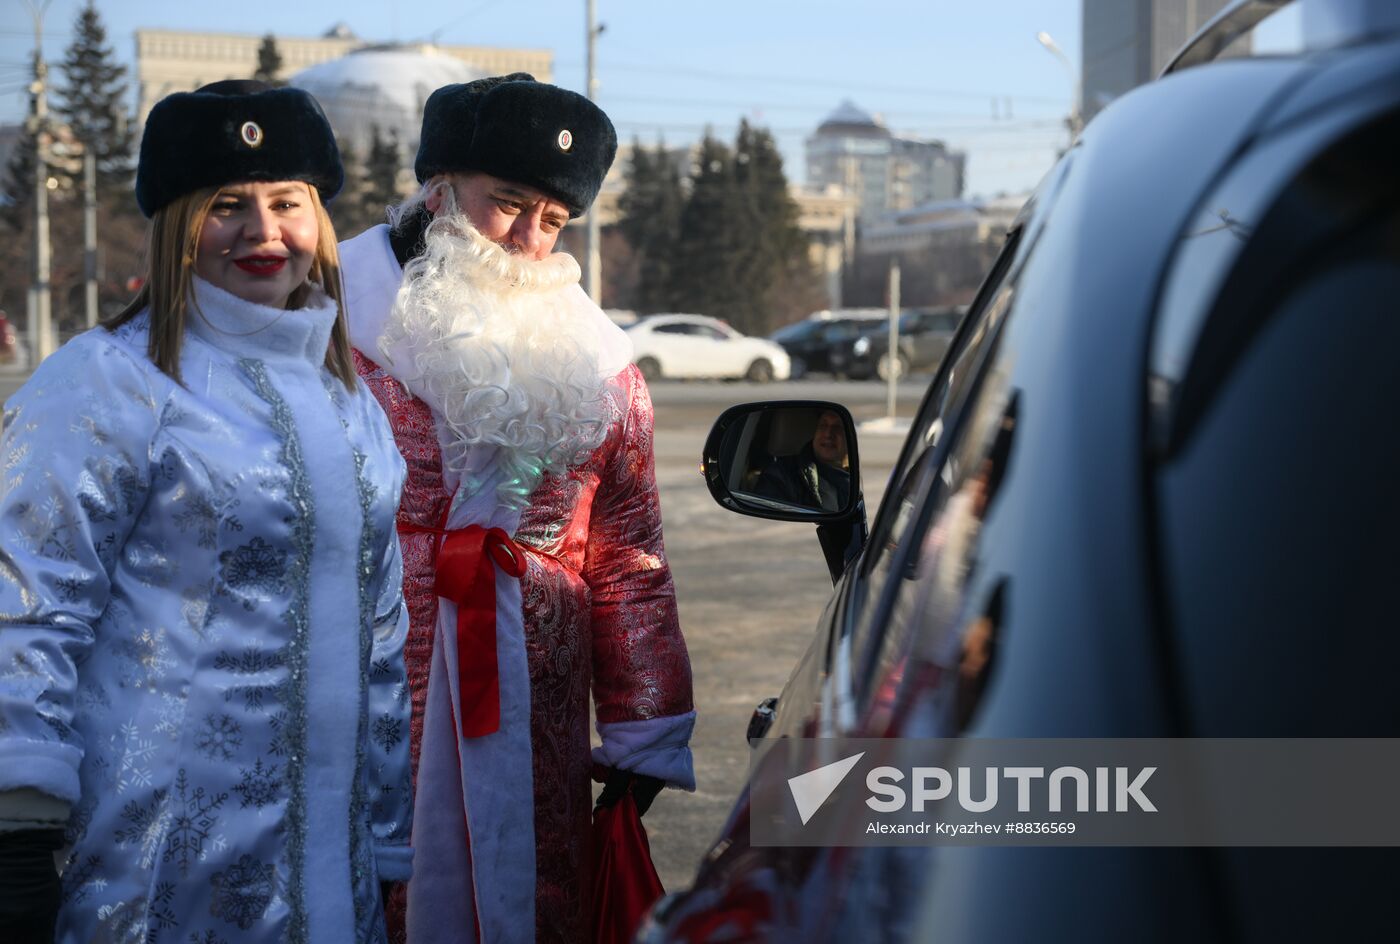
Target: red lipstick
(261,265)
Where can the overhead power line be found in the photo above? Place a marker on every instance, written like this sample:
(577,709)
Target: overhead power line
(848,85)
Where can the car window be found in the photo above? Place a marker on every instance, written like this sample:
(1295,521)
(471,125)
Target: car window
(711,332)
(944,322)
(840,331)
(797,332)
(930,620)
(924,466)
(674,329)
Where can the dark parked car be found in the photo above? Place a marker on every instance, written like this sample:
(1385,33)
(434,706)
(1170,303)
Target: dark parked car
(811,342)
(1150,493)
(924,335)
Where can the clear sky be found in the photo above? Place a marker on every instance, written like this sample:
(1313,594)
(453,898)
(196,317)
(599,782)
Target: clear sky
(971,74)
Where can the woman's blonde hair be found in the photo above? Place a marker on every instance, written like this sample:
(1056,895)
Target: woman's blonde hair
(172,244)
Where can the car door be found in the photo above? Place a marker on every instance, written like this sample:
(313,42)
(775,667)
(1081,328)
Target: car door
(725,350)
(676,348)
(831,337)
(930,338)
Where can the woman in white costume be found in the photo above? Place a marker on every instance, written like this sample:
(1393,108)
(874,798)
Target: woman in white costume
(202,693)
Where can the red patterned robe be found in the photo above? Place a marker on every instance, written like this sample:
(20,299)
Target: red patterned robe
(599,612)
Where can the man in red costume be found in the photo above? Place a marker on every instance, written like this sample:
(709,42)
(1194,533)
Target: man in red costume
(531,531)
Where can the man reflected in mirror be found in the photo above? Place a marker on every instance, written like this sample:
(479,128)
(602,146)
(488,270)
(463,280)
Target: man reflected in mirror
(818,475)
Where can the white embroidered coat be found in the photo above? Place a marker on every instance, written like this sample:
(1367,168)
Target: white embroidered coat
(201,631)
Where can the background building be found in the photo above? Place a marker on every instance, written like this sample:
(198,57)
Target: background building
(944,250)
(173,61)
(1128,42)
(882,172)
(382,89)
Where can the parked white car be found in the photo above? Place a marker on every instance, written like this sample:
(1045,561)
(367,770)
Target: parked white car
(700,346)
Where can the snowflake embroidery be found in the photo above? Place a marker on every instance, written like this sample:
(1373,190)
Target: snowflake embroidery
(260,785)
(191,822)
(145,826)
(170,716)
(196,608)
(253,695)
(107,550)
(279,741)
(388,732)
(208,937)
(69,588)
(47,529)
(250,662)
(201,517)
(96,423)
(256,567)
(28,676)
(145,659)
(219,737)
(380,670)
(78,881)
(94,697)
(242,892)
(79,821)
(124,921)
(161,916)
(136,754)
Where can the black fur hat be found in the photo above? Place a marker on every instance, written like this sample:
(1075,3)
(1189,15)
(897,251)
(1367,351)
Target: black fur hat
(515,128)
(231,132)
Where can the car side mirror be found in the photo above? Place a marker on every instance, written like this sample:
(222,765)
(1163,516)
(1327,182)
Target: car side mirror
(794,460)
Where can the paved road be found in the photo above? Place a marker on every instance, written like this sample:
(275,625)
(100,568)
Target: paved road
(750,591)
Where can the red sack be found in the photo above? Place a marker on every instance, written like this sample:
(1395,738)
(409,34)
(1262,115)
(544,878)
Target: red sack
(625,883)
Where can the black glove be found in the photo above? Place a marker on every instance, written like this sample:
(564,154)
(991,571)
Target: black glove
(29,887)
(643,788)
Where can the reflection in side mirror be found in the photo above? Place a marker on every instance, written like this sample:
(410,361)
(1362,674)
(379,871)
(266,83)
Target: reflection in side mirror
(794,460)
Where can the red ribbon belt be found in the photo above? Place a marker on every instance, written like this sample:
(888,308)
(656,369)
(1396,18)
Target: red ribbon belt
(465,576)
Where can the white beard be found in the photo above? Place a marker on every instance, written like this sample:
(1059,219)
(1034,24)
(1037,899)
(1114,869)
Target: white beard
(503,350)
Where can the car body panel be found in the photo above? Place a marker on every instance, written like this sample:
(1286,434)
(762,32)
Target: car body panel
(697,346)
(812,343)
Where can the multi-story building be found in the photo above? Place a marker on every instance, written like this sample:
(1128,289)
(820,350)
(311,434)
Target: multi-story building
(944,249)
(881,171)
(1128,42)
(172,61)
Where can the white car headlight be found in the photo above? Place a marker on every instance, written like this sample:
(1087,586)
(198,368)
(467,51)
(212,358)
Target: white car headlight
(862,346)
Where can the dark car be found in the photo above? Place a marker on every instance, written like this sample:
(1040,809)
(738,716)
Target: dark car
(924,335)
(811,342)
(1150,494)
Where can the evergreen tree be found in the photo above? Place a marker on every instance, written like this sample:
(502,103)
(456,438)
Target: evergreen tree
(91,100)
(651,209)
(345,210)
(708,259)
(775,269)
(382,167)
(19,180)
(269,62)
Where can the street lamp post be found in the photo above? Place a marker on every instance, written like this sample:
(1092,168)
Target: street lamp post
(40,314)
(593,264)
(1076,121)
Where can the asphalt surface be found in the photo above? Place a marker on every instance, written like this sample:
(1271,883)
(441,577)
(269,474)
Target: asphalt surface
(749,590)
